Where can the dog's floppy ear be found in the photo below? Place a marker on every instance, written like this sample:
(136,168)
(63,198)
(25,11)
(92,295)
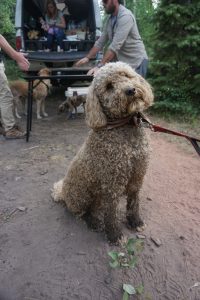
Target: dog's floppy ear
(146,91)
(95,118)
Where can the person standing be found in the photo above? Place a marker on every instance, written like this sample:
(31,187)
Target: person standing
(125,43)
(11,129)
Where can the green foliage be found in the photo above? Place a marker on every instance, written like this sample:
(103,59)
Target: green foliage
(12,70)
(143,11)
(128,259)
(175,72)
(128,290)
(7,16)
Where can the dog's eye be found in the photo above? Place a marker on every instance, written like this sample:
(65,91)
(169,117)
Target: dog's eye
(109,86)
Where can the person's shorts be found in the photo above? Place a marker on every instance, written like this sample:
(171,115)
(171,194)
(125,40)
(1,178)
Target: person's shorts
(142,69)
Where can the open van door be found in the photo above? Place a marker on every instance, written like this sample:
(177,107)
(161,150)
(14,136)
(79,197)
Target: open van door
(83,21)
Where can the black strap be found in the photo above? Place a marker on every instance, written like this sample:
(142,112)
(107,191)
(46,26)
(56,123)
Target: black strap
(41,81)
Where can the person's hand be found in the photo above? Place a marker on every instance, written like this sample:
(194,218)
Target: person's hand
(52,23)
(82,61)
(22,62)
(93,71)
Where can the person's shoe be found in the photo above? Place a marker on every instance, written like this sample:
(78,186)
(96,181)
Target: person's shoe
(14,133)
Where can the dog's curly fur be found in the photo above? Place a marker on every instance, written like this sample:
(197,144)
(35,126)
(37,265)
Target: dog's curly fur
(110,163)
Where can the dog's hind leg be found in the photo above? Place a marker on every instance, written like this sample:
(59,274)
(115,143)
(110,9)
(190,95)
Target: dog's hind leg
(16,111)
(43,108)
(38,108)
(24,105)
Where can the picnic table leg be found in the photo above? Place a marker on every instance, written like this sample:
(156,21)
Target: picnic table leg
(29,109)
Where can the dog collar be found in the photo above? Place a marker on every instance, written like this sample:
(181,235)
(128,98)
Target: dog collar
(132,120)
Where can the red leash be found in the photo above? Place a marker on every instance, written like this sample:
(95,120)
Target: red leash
(157,128)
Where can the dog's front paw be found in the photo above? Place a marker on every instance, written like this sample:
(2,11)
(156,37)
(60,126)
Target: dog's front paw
(39,117)
(56,192)
(45,114)
(134,223)
(114,237)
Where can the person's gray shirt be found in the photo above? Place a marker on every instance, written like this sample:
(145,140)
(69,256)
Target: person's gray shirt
(124,38)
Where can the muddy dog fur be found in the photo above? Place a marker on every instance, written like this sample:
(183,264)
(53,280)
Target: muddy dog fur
(111,163)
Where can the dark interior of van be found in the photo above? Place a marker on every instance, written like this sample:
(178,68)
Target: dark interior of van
(80,31)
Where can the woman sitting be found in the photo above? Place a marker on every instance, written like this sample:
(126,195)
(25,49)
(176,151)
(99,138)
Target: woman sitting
(54,25)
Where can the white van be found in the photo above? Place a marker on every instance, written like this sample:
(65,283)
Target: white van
(83,24)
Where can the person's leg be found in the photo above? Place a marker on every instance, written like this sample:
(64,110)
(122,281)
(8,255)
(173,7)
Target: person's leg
(11,130)
(59,37)
(50,41)
(142,69)
(6,102)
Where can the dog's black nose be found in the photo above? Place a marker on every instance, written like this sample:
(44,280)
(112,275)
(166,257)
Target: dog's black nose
(130,91)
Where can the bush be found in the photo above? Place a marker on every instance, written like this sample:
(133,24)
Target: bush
(12,70)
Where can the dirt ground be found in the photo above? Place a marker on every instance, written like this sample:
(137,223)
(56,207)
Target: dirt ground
(45,253)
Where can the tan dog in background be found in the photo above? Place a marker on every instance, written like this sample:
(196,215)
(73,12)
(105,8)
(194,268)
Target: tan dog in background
(71,103)
(19,90)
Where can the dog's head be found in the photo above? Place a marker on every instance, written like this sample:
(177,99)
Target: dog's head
(44,72)
(63,107)
(116,92)
(78,100)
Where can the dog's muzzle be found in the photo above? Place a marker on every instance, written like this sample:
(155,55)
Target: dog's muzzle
(130,91)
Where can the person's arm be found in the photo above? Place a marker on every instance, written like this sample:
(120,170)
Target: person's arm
(61,23)
(22,62)
(92,53)
(108,56)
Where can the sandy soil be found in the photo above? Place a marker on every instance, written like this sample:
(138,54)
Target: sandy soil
(45,253)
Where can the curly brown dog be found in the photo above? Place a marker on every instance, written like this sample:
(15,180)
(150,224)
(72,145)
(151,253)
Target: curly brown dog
(113,160)
(19,90)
